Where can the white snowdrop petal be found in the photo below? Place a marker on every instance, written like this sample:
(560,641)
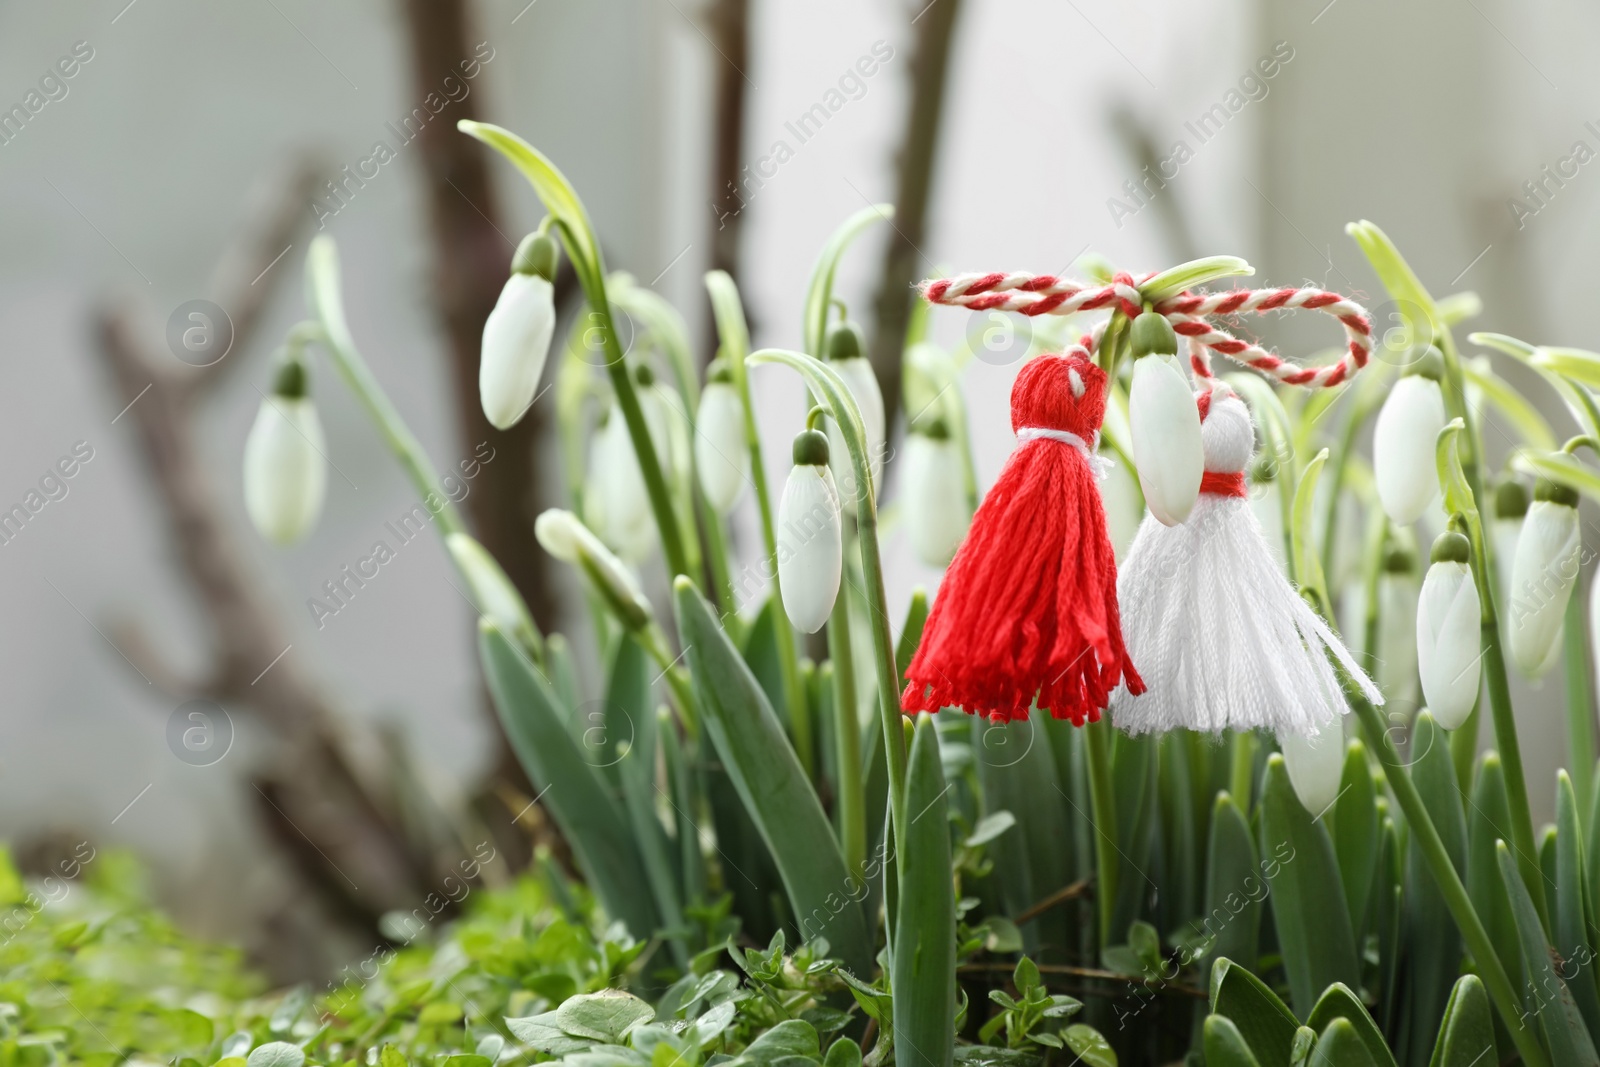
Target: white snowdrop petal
(1315,765)
(285,475)
(721,453)
(564,536)
(618,504)
(1165,428)
(863,385)
(1448,657)
(1542,574)
(810,547)
(934,502)
(1404,443)
(516,342)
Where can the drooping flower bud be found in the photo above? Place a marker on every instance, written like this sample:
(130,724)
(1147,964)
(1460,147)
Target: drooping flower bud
(1448,642)
(285,474)
(1396,671)
(1404,442)
(1315,765)
(1510,509)
(668,421)
(564,536)
(721,452)
(516,336)
(616,502)
(496,598)
(1163,422)
(1542,574)
(810,537)
(846,351)
(934,503)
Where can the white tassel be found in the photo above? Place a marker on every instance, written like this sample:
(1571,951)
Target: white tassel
(1219,635)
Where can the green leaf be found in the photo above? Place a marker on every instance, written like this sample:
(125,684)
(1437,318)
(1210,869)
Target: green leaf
(911,631)
(1559,1019)
(604,1016)
(1466,1038)
(1490,822)
(1307,561)
(1234,890)
(772,785)
(924,960)
(1309,911)
(1355,828)
(1338,1002)
(553,189)
(1432,940)
(575,792)
(820,291)
(843,1053)
(792,1037)
(1263,1022)
(1226,1047)
(390,1056)
(1572,935)
(1133,773)
(1092,1049)
(1175,280)
(276,1054)
(1340,1044)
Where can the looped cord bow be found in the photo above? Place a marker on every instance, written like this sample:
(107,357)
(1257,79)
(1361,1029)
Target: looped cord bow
(1046,294)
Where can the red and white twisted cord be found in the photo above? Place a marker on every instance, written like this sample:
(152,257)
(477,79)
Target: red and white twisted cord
(1046,294)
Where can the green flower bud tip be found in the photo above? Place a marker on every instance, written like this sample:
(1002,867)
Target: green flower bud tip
(535,255)
(1429,365)
(719,371)
(845,341)
(1555,492)
(1153,334)
(644,374)
(1450,547)
(1510,499)
(1400,560)
(935,428)
(811,448)
(1263,470)
(293,380)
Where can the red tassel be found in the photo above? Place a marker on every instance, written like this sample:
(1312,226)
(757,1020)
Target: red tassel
(1029,605)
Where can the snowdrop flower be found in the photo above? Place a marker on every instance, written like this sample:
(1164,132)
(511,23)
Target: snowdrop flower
(1404,442)
(1396,672)
(285,477)
(810,538)
(934,502)
(1163,422)
(1542,573)
(1315,765)
(721,452)
(516,336)
(564,536)
(617,503)
(1510,508)
(668,421)
(846,351)
(1448,639)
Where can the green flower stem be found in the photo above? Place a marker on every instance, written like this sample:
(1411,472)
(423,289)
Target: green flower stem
(1448,880)
(1461,496)
(322,283)
(1580,699)
(677,678)
(735,337)
(850,811)
(842,408)
(1102,802)
(578,237)
(1242,771)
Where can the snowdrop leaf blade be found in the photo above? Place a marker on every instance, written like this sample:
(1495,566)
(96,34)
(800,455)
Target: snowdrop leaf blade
(1466,1035)
(1559,1020)
(1230,870)
(924,975)
(1264,1024)
(552,187)
(820,291)
(1355,828)
(1571,927)
(772,786)
(1175,280)
(1530,424)
(574,793)
(1308,906)
(1395,273)
(1338,1002)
